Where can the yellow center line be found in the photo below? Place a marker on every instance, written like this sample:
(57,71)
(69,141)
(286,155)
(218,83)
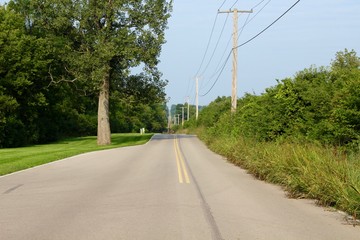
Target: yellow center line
(178,162)
(182,172)
(187,180)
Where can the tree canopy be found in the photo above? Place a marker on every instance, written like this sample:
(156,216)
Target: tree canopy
(62,59)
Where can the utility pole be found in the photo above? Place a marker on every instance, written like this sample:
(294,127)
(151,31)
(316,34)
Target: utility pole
(178,119)
(169,121)
(182,119)
(235,56)
(197,97)
(188,108)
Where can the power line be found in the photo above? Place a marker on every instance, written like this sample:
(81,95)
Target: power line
(218,66)
(241,30)
(207,47)
(259,4)
(218,77)
(234,4)
(208,44)
(206,50)
(252,7)
(269,25)
(228,57)
(258,11)
(211,34)
(222,4)
(189,90)
(216,46)
(243,27)
(235,13)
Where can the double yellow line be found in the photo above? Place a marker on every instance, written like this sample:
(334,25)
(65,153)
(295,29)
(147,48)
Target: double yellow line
(180,163)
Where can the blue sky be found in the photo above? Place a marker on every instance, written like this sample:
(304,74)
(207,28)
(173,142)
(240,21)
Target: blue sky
(310,34)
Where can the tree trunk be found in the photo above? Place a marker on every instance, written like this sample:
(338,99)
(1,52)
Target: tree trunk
(103,132)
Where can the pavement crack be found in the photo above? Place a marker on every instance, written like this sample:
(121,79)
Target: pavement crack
(13,189)
(215,232)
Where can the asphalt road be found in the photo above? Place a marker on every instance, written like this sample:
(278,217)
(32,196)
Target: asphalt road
(171,188)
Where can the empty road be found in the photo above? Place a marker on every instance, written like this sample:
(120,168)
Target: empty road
(171,188)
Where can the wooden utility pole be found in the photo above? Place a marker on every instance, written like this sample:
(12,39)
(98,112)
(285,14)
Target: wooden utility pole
(169,121)
(188,108)
(178,119)
(182,117)
(235,56)
(197,97)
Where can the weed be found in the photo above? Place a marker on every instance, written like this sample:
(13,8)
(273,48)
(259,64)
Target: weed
(303,169)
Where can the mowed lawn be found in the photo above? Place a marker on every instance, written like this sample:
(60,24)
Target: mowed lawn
(15,159)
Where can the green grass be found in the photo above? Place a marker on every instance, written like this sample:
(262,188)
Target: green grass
(305,170)
(15,159)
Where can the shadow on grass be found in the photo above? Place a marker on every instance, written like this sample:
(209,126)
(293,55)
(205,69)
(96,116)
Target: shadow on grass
(126,140)
(116,139)
(76,139)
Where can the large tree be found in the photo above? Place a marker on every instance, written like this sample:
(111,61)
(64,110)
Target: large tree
(101,38)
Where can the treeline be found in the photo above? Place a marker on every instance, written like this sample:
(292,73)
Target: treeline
(303,133)
(51,71)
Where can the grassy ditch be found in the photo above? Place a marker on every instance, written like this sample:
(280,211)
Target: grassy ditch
(304,170)
(15,159)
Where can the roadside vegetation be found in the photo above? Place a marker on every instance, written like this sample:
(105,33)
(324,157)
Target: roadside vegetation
(15,159)
(303,133)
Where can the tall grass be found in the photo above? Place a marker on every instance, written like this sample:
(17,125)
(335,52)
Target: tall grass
(15,159)
(304,170)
